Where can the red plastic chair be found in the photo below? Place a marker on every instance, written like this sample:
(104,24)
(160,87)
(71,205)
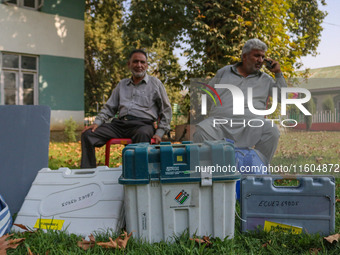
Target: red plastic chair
(124,141)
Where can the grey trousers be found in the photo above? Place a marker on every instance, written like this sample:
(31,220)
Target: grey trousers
(138,130)
(264,138)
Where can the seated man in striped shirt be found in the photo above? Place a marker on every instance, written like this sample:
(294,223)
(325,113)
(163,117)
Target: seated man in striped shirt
(140,101)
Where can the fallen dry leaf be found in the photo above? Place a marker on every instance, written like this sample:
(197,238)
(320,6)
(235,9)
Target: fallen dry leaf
(29,251)
(84,244)
(314,251)
(21,226)
(110,244)
(24,228)
(332,238)
(120,242)
(318,160)
(204,240)
(266,244)
(197,240)
(9,244)
(123,242)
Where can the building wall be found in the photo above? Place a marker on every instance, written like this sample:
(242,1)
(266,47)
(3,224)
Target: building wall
(322,97)
(56,35)
(61,86)
(66,8)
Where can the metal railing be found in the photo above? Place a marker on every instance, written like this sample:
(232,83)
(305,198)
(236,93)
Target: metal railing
(318,117)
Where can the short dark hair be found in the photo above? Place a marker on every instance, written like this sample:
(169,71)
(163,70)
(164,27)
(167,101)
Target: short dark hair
(138,51)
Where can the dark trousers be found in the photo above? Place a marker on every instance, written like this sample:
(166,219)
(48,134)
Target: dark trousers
(138,130)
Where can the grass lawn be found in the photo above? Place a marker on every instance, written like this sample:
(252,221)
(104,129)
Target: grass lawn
(63,154)
(297,148)
(308,148)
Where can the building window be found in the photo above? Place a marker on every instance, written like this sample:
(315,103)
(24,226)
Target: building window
(19,79)
(30,4)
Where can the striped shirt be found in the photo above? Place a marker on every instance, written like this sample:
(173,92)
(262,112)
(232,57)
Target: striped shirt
(148,100)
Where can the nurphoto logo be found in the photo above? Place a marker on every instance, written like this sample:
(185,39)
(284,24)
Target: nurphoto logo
(239,102)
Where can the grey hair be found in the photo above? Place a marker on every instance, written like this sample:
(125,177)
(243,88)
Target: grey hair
(253,44)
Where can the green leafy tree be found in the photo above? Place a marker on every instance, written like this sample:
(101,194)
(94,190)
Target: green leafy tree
(152,19)
(328,104)
(163,63)
(222,27)
(109,38)
(216,30)
(213,33)
(104,50)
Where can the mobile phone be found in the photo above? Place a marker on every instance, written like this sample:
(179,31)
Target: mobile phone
(269,63)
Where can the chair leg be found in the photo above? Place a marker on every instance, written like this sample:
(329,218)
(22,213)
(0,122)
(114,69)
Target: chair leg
(107,154)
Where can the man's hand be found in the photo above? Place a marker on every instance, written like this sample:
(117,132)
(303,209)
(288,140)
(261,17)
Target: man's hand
(93,128)
(158,139)
(276,68)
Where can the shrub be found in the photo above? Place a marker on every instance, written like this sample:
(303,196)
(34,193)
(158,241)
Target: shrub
(328,104)
(70,130)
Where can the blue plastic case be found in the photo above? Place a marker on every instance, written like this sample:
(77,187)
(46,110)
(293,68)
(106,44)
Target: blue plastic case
(174,163)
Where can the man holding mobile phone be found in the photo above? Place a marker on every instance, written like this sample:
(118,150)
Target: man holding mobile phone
(244,75)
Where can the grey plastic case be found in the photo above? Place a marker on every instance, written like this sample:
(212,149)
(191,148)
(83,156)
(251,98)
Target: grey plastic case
(309,206)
